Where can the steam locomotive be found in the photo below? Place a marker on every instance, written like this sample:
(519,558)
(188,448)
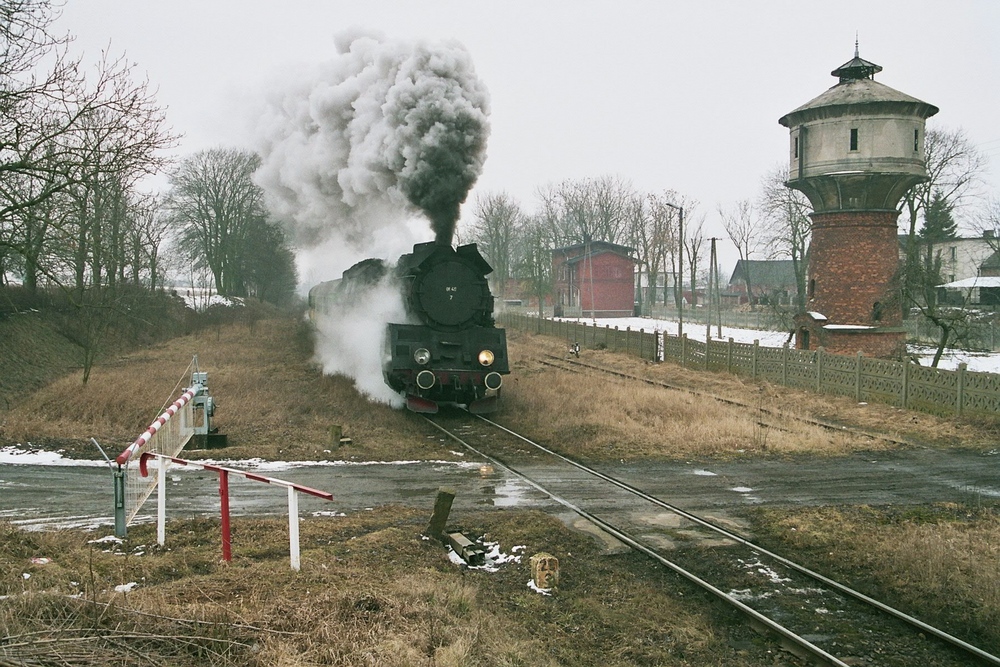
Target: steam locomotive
(449,350)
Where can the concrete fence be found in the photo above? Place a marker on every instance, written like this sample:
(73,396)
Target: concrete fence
(943,392)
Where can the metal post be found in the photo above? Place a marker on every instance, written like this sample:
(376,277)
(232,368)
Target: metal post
(161,502)
(708,320)
(293,527)
(118,478)
(227,553)
(756,347)
(718,293)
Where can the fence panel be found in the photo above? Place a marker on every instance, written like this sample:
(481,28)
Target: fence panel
(981,393)
(801,370)
(882,380)
(718,355)
(839,375)
(742,358)
(769,363)
(933,390)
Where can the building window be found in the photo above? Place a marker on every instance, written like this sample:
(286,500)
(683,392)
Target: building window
(916,140)
(854,138)
(953,251)
(812,287)
(796,148)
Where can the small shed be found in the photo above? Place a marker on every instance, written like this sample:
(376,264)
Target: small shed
(594,279)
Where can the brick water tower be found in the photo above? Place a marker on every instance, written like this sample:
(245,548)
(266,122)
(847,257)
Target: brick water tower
(855,150)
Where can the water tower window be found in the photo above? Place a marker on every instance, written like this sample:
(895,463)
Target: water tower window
(796,148)
(916,140)
(854,138)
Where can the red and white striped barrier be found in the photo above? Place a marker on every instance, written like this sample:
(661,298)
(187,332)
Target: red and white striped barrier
(224,472)
(130,451)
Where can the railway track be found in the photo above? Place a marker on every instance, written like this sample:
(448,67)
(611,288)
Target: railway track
(574,366)
(812,616)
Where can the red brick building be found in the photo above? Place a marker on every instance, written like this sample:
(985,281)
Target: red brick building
(854,152)
(594,279)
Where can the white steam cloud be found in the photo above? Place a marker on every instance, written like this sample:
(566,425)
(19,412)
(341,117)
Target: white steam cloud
(355,152)
(349,341)
(382,131)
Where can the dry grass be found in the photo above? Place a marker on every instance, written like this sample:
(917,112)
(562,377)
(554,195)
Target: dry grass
(939,563)
(273,402)
(625,419)
(598,416)
(370,592)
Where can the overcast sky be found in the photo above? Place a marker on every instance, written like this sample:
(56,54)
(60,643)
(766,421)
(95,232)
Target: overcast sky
(669,95)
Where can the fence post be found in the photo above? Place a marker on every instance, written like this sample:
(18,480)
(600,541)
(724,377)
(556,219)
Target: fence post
(753,366)
(906,385)
(857,377)
(729,356)
(819,371)
(708,342)
(684,340)
(960,398)
(784,364)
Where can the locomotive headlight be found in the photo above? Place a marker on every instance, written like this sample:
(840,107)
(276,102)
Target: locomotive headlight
(486,358)
(422,356)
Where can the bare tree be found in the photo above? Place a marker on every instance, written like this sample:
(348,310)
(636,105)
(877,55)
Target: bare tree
(498,218)
(641,236)
(593,208)
(665,218)
(954,168)
(59,130)
(694,238)
(535,258)
(788,227)
(214,203)
(744,227)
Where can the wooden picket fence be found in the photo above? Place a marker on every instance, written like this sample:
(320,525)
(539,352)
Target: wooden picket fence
(943,392)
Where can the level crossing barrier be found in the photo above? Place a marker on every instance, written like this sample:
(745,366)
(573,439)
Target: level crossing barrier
(187,416)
